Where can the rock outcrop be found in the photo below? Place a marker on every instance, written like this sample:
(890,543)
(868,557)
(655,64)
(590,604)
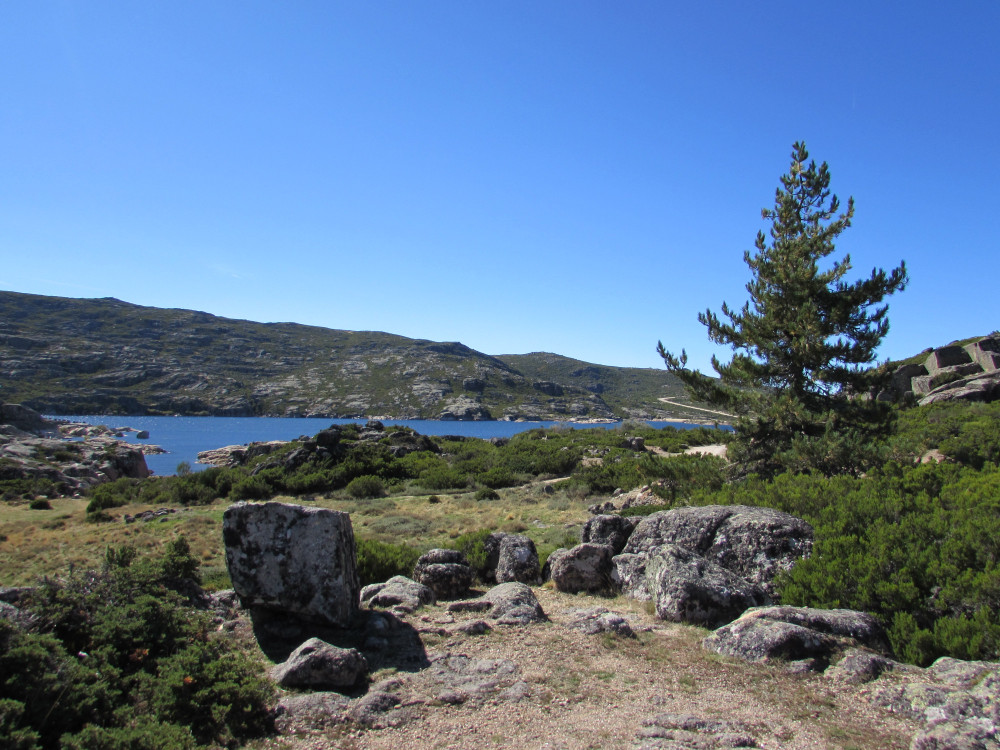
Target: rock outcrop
(293,561)
(31,449)
(950,373)
(798,634)
(958,703)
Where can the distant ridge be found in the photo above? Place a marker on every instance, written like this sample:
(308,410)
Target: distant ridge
(94,356)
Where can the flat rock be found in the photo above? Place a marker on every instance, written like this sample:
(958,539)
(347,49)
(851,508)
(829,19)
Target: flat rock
(508,604)
(595,620)
(398,591)
(671,731)
(797,634)
(310,711)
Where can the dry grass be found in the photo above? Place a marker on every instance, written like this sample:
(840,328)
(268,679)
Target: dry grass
(36,543)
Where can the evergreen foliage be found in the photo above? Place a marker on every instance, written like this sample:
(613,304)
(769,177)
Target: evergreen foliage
(804,341)
(119,658)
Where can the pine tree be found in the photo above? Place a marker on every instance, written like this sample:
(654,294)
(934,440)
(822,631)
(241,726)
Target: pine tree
(801,380)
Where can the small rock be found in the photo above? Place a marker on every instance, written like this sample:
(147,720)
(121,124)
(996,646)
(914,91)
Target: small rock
(599,620)
(319,665)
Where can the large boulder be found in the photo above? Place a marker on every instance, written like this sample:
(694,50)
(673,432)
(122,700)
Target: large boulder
(585,567)
(628,575)
(517,560)
(595,620)
(491,553)
(318,665)
(610,529)
(293,561)
(686,587)
(446,572)
(754,543)
(986,352)
(946,356)
(797,634)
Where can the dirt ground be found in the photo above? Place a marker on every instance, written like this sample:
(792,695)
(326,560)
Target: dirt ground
(548,686)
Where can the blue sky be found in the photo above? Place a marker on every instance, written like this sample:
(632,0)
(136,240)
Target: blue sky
(576,177)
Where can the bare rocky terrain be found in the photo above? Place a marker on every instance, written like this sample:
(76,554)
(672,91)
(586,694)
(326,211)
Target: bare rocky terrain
(551,685)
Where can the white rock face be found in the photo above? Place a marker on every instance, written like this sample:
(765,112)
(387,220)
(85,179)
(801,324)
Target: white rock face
(293,560)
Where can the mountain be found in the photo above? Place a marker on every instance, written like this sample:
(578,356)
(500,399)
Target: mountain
(104,356)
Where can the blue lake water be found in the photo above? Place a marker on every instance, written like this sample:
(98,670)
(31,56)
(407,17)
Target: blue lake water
(185,437)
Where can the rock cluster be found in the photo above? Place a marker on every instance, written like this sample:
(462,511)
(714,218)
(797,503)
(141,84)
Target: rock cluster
(951,373)
(702,565)
(31,449)
(732,552)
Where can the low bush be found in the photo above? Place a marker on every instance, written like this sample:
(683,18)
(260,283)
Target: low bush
(380,561)
(366,486)
(472,545)
(121,660)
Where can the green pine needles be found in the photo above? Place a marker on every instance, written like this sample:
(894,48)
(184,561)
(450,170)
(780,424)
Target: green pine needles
(801,382)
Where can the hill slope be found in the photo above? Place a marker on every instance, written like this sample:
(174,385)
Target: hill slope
(92,356)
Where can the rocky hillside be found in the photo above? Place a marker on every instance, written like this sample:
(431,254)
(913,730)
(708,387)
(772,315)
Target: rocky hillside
(966,370)
(76,356)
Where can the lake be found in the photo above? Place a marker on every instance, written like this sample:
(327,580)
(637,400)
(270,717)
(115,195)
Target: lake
(185,437)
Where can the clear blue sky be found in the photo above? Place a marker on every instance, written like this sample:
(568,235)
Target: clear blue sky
(568,176)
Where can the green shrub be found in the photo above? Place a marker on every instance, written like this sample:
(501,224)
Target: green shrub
(439,478)
(143,734)
(485,493)
(472,545)
(125,662)
(366,486)
(114,494)
(917,546)
(250,488)
(380,561)
(40,503)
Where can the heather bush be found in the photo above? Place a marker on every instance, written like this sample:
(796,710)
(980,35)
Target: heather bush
(120,658)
